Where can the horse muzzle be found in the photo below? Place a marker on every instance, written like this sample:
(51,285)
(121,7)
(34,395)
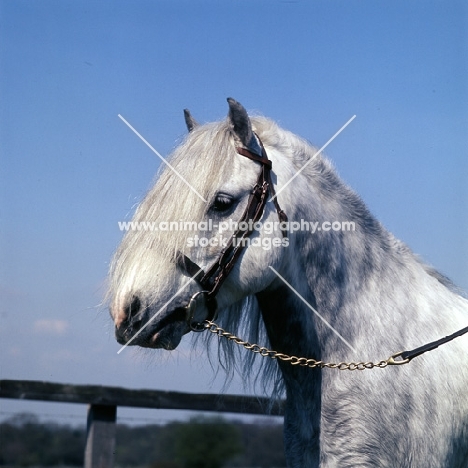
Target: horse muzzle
(139,325)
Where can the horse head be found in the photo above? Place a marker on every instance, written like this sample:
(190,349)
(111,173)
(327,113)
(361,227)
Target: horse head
(192,212)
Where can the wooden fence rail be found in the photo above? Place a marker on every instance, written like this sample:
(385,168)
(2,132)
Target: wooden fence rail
(103,403)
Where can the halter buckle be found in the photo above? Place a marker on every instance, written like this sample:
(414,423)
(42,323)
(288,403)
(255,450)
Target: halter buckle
(190,313)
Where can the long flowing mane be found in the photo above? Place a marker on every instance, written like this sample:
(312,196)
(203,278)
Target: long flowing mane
(204,172)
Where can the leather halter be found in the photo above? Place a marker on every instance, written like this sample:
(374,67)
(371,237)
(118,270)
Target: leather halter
(211,280)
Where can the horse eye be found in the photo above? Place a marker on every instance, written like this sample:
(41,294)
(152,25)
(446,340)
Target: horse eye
(222,203)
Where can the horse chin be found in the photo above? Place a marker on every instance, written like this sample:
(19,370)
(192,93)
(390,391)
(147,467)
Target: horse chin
(168,332)
(165,333)
(168,337)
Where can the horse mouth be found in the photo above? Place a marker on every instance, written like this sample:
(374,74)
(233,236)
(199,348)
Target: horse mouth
(166,333)
(169,330)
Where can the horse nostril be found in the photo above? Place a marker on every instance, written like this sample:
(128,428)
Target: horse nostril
(133,308)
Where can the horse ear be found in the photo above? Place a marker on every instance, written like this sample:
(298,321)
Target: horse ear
(189,120)
(240,121)
(242,126)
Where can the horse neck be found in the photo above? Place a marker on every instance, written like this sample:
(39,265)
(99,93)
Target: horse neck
(354,286)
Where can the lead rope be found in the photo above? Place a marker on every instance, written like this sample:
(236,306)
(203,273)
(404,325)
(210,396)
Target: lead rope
(393,360)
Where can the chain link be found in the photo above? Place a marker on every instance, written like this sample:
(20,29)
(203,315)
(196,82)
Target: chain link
(301,361)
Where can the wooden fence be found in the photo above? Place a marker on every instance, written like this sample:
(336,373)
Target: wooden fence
(103,403)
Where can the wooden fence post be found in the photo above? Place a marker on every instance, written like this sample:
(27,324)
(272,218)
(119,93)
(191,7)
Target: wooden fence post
(100,437)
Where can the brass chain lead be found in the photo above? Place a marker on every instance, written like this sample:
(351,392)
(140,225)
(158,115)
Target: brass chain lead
(302,361)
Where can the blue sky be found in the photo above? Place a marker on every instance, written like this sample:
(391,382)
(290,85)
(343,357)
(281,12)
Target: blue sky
(70,169)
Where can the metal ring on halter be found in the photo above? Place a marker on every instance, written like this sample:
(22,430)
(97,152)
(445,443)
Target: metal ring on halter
(194,326)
